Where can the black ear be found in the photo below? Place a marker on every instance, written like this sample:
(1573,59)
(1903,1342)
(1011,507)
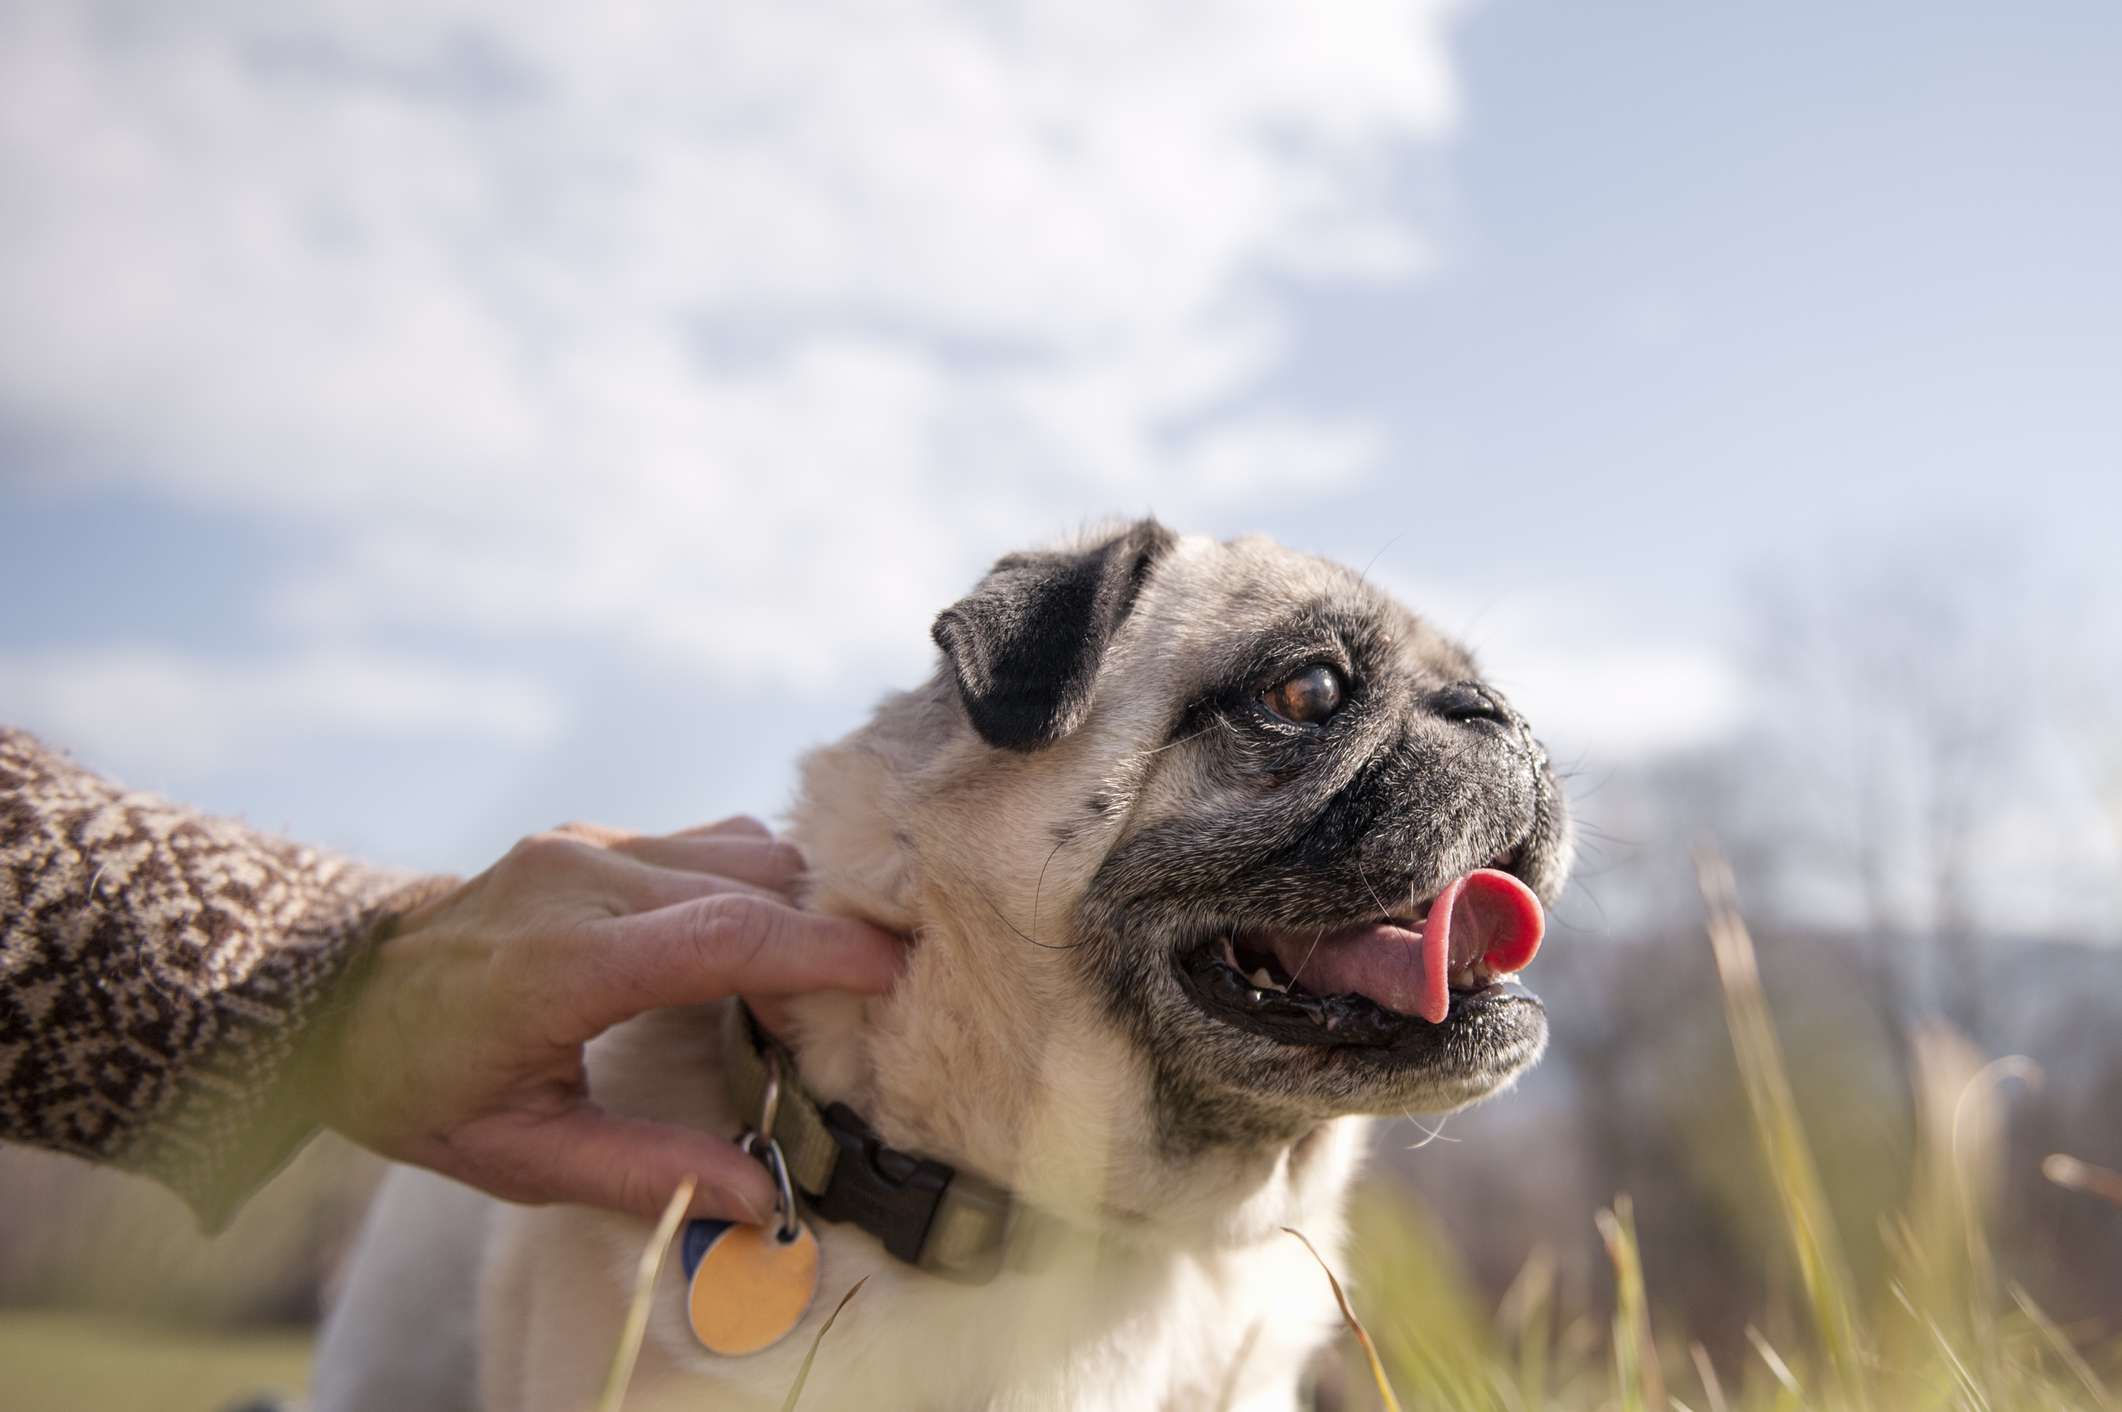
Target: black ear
(1025,645)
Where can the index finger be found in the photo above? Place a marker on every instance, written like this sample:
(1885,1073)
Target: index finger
(710,947)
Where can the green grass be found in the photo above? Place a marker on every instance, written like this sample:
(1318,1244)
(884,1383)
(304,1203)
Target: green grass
(1945,1333)
(63,1362)
(1939,1329)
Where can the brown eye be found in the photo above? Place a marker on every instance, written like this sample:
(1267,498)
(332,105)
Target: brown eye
(1307,698)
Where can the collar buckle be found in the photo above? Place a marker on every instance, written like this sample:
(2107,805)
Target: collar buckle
(891,1194)
(947,1222)
(944,1221)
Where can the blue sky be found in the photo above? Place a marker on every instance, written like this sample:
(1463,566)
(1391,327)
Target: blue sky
(420,425)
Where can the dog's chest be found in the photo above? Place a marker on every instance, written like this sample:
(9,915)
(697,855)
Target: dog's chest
(1093,1330)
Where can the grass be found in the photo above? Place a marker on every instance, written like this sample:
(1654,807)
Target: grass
(1355,1326)
(646,1269)
(64,1362)
(1947,1334)
(1942,1331)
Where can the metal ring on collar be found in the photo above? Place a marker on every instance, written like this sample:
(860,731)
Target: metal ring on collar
(768,1151)
(770,1099)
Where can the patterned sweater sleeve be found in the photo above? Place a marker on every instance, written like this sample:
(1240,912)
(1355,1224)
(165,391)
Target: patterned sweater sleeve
(159,974)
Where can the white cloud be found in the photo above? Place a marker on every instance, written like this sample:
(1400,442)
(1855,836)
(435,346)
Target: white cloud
(1628,697)
(208,712)
(740,332)
(1262,457)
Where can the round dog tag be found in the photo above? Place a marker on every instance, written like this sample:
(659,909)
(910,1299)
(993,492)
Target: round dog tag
(748,1287)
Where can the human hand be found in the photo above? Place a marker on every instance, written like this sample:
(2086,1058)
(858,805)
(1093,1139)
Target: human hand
(461,1051)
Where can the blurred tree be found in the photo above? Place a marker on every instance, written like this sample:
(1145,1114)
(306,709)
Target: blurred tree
(1898,694)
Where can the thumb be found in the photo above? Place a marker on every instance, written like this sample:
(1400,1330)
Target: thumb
(586,1156)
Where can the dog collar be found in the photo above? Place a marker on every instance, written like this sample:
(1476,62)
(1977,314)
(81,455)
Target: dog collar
(925,1212)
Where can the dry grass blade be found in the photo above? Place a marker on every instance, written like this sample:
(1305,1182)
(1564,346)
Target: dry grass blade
(1774,1361)
(795,1389)
(1355,1325)
(2073,1175)
(1528,1311)
(621,1371)
(1829,1289)
(2060,1345)
(1970,1386)
(1712,1388)
(1635,1355)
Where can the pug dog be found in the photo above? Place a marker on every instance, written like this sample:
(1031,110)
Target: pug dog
(1209,851)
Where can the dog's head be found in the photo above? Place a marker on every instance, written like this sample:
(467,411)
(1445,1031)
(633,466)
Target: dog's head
(1236,806)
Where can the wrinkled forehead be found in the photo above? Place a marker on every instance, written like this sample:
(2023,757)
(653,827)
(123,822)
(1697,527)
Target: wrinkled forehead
(1228,608)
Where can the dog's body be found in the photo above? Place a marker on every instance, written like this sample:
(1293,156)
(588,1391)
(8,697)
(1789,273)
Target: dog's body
(1130,757)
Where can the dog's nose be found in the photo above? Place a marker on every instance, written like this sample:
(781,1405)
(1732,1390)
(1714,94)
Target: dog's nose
(1467,701)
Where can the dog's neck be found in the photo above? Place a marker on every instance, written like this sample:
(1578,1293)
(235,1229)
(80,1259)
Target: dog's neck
(990,1054)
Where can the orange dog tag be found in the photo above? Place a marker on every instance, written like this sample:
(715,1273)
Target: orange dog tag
(748,1287)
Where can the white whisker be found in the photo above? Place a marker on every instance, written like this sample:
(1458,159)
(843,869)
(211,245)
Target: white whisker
(1429,1135)
(1169,745)
(1307,956)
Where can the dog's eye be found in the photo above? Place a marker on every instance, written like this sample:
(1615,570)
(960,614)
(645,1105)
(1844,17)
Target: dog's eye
(1307,698)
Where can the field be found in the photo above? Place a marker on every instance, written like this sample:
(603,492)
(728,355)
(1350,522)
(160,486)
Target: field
(1932,1326)
(1944,1332)
(74,1362)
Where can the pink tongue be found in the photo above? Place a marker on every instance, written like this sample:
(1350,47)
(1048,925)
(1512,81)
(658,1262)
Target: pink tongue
(1487,918)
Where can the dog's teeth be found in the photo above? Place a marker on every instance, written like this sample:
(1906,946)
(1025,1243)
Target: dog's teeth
(1230,956)
(1262,979)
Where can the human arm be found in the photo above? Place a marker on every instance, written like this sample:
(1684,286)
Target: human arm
(185,997)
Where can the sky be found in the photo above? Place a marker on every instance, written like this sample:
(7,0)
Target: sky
(424,424)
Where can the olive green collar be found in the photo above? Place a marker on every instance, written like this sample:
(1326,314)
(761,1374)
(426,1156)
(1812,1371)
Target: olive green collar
(926,1213)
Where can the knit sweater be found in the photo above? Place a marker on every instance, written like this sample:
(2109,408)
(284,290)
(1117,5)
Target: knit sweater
(164,977)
